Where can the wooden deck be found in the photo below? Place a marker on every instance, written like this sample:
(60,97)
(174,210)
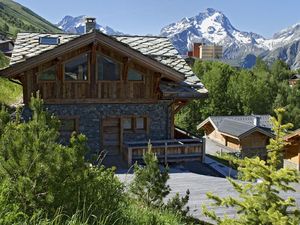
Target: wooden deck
(174,150)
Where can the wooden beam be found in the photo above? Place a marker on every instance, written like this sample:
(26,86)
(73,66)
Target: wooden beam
(92,70)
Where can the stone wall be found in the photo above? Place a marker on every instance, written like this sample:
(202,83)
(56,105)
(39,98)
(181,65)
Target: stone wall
(91,116)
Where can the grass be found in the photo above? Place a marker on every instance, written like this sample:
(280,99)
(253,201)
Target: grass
(10,92)
(223,159)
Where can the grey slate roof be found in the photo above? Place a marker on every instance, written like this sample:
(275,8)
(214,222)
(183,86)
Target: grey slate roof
(239,125)
(158,48)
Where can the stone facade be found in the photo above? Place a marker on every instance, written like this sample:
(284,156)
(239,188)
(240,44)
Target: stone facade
(91,115)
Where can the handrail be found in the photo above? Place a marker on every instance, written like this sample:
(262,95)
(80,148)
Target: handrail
(181,141)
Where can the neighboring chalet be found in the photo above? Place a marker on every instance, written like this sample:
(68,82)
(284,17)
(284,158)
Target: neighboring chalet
(294,80)
(245,135)
(6,46)
(120,91)
(292,151)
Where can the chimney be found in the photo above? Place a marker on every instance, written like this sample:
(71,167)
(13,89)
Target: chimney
(90,24)
(256,121)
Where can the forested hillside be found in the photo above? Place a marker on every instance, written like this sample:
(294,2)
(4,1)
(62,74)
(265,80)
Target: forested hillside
(15,18)
(242,92)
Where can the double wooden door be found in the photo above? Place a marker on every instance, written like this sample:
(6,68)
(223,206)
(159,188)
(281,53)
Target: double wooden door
(111,133)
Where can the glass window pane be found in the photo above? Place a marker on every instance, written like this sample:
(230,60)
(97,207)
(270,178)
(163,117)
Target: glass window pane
(134,75)
(140,123)
(127,124)
(48,74)
(77,68)
(68,125)
(107,69)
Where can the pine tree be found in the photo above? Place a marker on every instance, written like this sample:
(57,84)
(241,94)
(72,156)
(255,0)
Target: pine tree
(259,199)
(150,182)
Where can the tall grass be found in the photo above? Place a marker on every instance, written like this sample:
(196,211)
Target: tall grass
(10,92)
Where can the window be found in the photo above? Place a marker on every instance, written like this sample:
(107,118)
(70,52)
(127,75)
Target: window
(127,124)
(135,123)
(68,125)
(48,40)
(77,69)
(140,123)
(107,69)
(134,75)
(48,74)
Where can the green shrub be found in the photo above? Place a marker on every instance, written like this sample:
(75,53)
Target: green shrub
(43,175)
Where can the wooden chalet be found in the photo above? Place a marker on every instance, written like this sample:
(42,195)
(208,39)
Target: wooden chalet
(292,150)
(120,91)
(245,135)
(294,80)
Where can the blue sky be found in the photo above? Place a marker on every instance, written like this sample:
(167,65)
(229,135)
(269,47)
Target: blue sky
(148,16)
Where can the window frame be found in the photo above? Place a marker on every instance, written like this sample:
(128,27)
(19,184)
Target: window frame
(136,81)
(115,61)
(76,120)
(134,128)
(88,70)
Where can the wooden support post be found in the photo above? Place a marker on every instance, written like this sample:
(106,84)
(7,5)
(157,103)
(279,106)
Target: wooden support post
(166,152)
(129,158)
(203,149)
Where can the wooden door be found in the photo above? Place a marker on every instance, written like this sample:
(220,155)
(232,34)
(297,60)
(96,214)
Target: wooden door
(111,135)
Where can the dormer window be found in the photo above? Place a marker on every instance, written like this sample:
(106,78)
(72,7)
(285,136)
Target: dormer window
(107,69)
(134,75)
(77,69)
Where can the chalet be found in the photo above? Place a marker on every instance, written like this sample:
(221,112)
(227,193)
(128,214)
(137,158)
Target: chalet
(120,91)
(292,150)
(294,80)
(245,135)
(6,46)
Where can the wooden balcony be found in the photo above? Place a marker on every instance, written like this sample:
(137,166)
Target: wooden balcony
(174,150)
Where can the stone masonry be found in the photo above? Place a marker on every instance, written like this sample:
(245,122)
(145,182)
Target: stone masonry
(91,116)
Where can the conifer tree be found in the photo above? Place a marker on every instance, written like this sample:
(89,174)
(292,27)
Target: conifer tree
(150,182)
(260,200)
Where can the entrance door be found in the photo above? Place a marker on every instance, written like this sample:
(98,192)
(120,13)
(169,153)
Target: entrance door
(111,135)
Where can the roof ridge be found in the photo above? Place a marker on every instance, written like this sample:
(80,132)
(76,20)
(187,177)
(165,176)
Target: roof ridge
(136,35)
(242,122)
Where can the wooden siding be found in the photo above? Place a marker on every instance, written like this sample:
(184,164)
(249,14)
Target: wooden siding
(255,140)
(60,91)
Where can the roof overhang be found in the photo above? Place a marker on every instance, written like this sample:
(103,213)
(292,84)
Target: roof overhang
(83,40)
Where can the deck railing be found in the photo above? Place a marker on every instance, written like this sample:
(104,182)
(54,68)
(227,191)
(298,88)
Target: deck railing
(174,150)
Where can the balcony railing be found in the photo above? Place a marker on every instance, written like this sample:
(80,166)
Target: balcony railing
(174,150)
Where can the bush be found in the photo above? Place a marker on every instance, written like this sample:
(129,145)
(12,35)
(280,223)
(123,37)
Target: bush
(42,175)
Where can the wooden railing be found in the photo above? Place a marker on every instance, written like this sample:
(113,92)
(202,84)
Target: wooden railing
(174,150)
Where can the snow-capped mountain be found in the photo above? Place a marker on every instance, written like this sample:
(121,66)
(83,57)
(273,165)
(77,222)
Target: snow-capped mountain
(213,27)
(76,25)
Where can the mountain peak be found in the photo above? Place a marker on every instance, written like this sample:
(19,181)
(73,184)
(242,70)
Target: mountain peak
(212,11)
(76,25)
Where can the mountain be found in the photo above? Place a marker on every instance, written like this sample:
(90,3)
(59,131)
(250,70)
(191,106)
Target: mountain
(15,18)
(76,25)
(213,27)
(240,47)
(285,45)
